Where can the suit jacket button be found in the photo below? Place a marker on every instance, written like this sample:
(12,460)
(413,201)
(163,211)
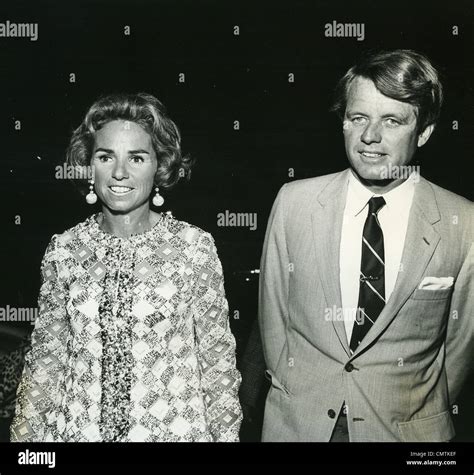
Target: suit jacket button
(349,367)
(332,413)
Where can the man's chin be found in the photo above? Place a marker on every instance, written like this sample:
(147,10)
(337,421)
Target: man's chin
(371,173)
(376,176)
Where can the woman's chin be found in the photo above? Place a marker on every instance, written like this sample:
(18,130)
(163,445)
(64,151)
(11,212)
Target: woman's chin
(123,207)
(115,207)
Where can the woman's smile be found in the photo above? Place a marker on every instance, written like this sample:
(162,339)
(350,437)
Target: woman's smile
(120,190)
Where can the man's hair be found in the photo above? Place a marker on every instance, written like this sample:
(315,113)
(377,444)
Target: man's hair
(402,74)
(149,113)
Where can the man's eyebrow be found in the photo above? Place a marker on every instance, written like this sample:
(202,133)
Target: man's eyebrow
(355,111)
(402,117)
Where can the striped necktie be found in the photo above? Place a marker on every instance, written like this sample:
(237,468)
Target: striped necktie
(372,275)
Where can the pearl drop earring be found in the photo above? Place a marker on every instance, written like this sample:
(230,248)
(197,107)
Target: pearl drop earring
(158,200)
(91,198)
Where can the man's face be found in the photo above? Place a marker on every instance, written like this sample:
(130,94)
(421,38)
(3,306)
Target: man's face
(124,164)
(379,131)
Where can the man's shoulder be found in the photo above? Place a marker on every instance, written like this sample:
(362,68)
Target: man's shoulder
(452,209)
(450,197)
(449,202)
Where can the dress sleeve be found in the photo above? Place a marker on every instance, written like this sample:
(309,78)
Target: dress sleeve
(39,390)
(220,379)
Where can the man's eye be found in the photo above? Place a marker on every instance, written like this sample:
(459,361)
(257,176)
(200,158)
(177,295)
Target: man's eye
(137,159)
(358,120)
(104,158)
(393,122)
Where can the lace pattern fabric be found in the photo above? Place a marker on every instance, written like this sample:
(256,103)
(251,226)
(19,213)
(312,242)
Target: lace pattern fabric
(117,360)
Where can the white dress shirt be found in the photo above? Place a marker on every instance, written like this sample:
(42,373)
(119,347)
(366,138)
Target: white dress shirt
(393,219)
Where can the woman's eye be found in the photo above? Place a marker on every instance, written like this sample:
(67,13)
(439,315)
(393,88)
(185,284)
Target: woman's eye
(137,159)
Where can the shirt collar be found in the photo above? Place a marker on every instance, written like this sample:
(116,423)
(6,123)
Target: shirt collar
(397,200)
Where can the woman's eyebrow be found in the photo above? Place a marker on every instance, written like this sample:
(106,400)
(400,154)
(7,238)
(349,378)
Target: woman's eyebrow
(131,152)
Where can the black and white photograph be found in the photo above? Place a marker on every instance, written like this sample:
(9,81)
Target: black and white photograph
(247,225)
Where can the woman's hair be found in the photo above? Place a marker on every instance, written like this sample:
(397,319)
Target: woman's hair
(149,113)
(403,75)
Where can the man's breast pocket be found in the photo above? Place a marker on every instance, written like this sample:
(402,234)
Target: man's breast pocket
(428,294)
(429,309)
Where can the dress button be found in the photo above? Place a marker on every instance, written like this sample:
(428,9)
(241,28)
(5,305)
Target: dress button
(349,367)
(332,413)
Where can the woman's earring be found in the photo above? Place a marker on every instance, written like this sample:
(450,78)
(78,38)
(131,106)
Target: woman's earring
(158,200)
(91,198)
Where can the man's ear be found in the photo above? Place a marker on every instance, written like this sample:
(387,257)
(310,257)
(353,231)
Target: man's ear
(425,135)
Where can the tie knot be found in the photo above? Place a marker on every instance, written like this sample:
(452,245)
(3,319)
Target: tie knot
(375,204)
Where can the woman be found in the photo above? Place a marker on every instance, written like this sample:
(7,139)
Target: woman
(132,342)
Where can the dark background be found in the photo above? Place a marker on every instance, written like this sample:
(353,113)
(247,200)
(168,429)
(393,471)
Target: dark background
(227,77)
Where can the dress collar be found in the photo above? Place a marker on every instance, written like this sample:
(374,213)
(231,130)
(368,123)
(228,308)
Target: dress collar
(93,224)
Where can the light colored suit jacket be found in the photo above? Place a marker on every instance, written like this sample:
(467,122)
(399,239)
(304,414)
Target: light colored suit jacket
(401,382)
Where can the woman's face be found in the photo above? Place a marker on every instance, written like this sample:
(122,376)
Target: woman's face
(124,165)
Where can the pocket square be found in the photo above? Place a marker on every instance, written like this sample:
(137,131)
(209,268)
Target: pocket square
(436,283)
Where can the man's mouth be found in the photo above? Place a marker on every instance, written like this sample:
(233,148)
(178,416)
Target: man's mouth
(121,190)
(372,154)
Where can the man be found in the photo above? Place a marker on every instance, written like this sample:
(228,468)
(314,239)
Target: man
(366,291)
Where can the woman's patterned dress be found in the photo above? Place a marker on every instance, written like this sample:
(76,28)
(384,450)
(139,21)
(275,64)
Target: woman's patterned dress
(132,342)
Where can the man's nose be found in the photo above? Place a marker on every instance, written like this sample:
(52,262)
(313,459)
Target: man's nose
(371,134)
(120,170)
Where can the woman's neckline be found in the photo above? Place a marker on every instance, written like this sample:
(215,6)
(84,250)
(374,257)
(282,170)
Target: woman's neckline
(97,218)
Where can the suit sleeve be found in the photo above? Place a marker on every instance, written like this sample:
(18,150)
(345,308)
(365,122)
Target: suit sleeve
(460,332)
(39,392)
(273,288)
(220,379)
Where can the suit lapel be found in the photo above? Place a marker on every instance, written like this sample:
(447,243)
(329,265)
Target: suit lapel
(420,243)
(326,227)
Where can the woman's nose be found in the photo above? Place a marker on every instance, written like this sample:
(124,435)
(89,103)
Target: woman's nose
(120,170)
